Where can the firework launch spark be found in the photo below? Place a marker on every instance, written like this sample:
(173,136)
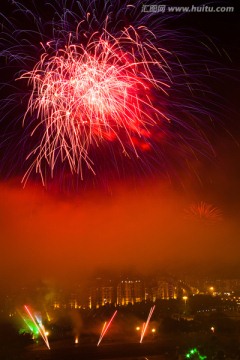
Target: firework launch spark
(194,353)
(39,326)
(145,325)
(106,327)
(76,340)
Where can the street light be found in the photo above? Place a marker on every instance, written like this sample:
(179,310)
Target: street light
(211,290)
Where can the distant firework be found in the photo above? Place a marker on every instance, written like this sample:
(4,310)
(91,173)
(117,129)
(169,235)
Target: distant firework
(96,84)
(203,212)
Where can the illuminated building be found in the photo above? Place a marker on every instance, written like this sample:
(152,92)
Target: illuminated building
(101,293)
(106,295)
(74,302)
(56,305)
(164,290)
(130,292)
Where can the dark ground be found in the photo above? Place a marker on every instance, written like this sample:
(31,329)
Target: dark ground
(169,347)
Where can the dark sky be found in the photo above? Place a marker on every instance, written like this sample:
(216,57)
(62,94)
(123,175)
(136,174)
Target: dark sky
(142,222)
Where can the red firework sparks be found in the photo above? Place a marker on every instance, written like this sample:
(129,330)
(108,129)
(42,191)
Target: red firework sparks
(86,95)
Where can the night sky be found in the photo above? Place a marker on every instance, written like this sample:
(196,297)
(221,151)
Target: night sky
(132,218)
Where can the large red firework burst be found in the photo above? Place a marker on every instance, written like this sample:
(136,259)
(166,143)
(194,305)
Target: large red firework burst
(84,95)
(99,83)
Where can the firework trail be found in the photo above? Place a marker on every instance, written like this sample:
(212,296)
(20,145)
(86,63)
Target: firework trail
(106,327)
(101,84)
(145,325)
(38,325)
